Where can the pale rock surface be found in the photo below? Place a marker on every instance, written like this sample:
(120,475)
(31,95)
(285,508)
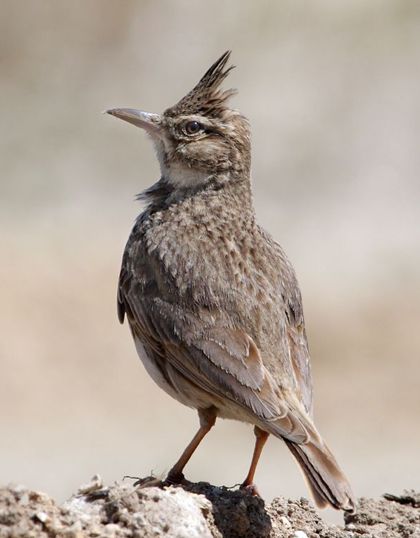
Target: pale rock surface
(193,511)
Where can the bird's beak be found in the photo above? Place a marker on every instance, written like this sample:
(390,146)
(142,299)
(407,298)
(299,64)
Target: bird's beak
(151,123)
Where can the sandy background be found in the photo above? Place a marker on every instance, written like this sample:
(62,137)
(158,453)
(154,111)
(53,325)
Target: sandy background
(332,92)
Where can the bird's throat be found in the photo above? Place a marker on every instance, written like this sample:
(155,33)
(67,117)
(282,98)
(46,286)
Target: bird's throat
(181,176)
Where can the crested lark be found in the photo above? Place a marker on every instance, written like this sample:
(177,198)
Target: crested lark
(211,299)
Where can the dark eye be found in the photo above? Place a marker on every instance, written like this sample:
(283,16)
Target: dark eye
(192,127)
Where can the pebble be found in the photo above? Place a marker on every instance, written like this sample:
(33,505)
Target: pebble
(285,522)
(42,517)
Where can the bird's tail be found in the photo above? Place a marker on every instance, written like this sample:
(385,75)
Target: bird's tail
(326,480)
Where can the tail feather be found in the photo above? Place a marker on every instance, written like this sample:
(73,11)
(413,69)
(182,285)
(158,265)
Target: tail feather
(326,481)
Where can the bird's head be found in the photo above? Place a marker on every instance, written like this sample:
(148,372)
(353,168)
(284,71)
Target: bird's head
(200,138)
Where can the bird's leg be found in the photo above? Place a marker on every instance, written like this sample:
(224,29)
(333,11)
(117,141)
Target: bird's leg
(207,421)
(260,439)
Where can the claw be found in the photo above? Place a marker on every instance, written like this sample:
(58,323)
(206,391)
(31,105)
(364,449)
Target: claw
(148,482)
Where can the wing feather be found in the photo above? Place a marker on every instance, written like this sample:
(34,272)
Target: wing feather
(218,359)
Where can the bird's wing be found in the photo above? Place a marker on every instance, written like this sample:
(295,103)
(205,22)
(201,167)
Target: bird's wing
(219,359)
(289,306)
(124,281)
(301,363)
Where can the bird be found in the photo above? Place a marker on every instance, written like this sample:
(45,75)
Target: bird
(212,301)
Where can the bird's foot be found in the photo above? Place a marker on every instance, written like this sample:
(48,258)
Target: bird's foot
(147,482)
(175,478)
(251,489)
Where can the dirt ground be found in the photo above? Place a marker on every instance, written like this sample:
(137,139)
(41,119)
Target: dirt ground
(194,511)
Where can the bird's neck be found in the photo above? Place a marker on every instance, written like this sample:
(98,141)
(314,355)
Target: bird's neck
(218,192)
(195,233)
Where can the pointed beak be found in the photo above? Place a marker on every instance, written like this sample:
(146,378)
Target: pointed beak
(151,123)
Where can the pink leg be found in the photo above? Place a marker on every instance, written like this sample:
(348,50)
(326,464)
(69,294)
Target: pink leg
(207,421)
(261,438)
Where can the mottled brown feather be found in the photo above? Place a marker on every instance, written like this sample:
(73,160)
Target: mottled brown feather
(206,98)
(212,301)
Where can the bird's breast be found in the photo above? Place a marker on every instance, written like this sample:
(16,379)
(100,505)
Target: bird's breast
(197,264)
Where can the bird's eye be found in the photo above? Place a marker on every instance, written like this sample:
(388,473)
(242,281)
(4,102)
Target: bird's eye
(192,127)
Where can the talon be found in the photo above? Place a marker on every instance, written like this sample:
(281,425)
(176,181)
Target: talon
(148,482)
(233,487)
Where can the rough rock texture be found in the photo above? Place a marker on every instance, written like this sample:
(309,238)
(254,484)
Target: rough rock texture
(193,510)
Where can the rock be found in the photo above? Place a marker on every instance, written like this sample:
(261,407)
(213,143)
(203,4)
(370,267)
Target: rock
(389,517)
(193,511)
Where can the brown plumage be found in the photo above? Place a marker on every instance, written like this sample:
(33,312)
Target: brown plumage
(211,299)
(206,98)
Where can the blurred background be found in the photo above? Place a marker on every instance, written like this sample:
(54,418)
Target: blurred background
(332,93)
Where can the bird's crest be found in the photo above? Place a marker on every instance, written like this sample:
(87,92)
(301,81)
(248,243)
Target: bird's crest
(206,98)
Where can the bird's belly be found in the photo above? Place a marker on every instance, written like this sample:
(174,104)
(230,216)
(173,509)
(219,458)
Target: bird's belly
(179,388)
(153,370)
(186,392)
